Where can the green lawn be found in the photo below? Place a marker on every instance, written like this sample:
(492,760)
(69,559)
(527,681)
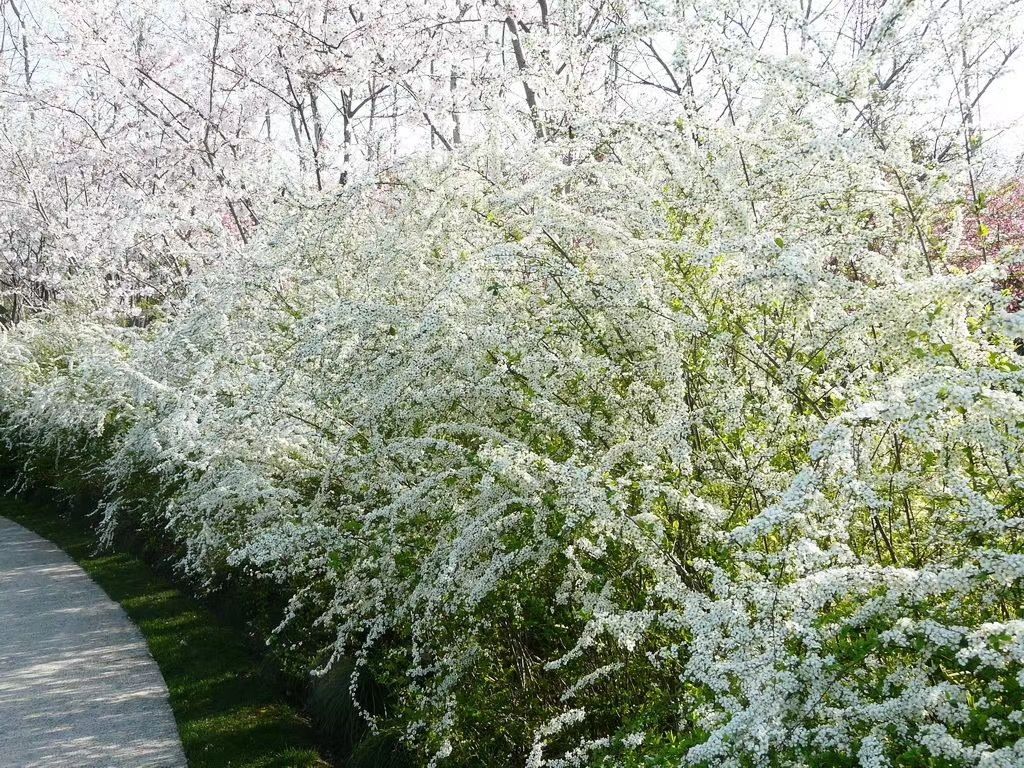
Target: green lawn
(229,710)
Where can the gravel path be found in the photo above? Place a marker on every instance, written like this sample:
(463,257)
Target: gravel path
(78,688)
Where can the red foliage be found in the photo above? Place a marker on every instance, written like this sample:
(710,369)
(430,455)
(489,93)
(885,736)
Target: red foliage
(995,230)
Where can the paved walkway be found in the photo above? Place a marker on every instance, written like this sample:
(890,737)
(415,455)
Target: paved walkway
(78,688)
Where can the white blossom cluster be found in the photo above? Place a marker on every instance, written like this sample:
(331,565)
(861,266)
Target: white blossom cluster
(672,443)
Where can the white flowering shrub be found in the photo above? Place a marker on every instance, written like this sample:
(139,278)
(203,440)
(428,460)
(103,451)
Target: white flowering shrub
(673,443)
(622,473)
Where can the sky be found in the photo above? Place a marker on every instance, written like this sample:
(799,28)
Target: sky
(1003,107)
